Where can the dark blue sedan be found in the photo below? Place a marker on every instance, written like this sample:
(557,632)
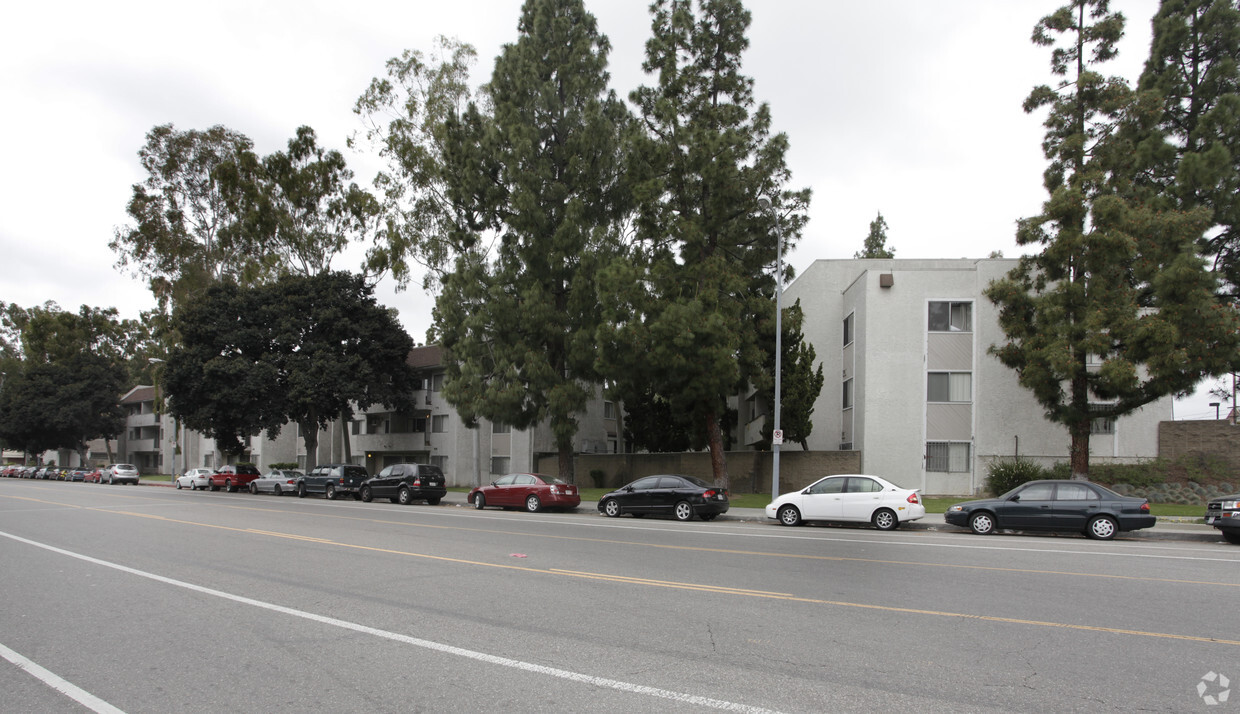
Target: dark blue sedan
(1062,505)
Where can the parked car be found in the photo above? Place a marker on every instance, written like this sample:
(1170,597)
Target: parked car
(1224,514)
(533,492)
(232,477)
(195,479)
(1055,505)
(405,483)
(332,480)
(121,473)
(666,495)
(849,498)
(95,475)
(78,474)
(277,481)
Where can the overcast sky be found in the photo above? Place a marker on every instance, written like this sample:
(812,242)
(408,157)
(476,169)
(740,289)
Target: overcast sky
(907,107)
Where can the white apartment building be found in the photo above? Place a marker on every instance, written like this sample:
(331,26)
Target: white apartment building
(909,382)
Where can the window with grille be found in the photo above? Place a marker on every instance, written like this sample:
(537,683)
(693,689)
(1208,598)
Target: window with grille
(951,317)
(498,428)
(439,423)
(1101,425)
(949,387)
(947,456)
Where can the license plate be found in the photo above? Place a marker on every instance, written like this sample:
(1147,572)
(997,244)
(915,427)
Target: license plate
(1210,520)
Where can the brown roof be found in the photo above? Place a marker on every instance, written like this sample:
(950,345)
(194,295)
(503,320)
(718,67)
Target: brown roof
(429,356)
(138,394)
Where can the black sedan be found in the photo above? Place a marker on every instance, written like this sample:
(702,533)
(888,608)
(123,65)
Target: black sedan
(1063,505)
(405,483)
(669,495)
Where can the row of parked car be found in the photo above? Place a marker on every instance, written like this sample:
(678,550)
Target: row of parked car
(401,483)
(111,474)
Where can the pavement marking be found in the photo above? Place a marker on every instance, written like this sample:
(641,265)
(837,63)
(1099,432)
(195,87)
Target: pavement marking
(568,675)
(74,692)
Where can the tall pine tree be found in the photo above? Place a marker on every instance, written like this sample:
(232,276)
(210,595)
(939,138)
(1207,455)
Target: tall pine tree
(684,307)
(544,170)
(1117,309)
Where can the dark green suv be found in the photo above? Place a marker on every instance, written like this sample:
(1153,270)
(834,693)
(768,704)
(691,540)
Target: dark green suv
(333,480)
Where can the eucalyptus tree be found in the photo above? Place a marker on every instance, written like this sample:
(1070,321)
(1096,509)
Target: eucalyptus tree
(681,309)
(184,233)
(1117,309)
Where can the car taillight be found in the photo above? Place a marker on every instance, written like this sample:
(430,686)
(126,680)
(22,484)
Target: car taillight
(557,490)
(417,482)
(709,494)
(1145,507)
(912,498)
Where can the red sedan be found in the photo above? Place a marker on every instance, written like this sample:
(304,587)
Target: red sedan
(533,492)
(95,475)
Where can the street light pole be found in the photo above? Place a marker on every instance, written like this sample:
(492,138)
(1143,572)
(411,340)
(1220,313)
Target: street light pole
(777,436)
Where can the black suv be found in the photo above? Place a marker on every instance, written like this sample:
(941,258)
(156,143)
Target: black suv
(404,483)
(332,480)
(1224,514)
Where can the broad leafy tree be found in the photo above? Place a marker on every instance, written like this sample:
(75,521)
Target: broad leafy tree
(299,208)
(301,349)
(184,234)
(411,117)
(681,309)
(1117,309)
(876,241)
(518,325)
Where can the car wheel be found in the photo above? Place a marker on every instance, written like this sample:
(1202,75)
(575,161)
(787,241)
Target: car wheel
(683,511)
(432,501)
(253,488)
(885,519)
(982,523)
(403,496)
(1231,537)
(480,501)
(178,485)
(301,490)
(1102,528)
(330,492)
(532,504)
(192,486)
(367,496)
(110,481)
(789,516)
(214,487)
(611,508)
(276,490)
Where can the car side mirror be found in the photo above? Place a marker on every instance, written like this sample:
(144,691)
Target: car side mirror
(492,483)
(628,489)
(1015,498)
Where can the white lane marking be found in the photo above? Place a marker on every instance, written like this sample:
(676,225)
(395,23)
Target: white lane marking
(68,689)
(416,642)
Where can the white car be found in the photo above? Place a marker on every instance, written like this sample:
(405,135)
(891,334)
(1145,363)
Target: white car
(121,473)
(277,481)
(849,498)
(195,479)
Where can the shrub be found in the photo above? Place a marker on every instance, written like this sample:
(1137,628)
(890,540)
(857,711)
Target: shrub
(284,465)
(1005,475)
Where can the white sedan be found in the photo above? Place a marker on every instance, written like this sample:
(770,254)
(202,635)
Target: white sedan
(849,498)
(195,479)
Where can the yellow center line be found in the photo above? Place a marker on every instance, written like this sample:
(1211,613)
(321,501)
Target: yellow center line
(717,589)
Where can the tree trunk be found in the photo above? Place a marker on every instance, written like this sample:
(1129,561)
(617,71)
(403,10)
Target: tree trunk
(311,437)
(345,425)
(567,468)
(718,462)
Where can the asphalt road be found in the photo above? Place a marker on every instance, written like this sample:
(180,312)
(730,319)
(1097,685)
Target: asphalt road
(156,600)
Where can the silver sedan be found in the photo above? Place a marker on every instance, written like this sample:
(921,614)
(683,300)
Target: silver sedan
(277,481)
(195,479)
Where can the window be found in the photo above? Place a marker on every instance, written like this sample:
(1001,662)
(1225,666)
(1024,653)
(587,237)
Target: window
(1036,492)
(947,457)
(949,387)
(440,462)
(499,464)
(951,317)
(609,410)
(498,428)
(848,395)
(439,424)
(646,484)
(1101,425)
(828,485)
(437,383)
(402,423)
(863,485)
(848,330)
(1074,492)
(357,427)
